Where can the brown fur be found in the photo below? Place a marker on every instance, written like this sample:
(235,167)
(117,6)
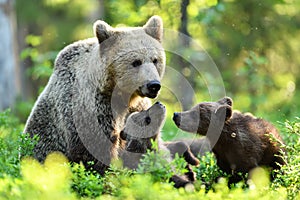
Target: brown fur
(197,146)
(240,141)
(182,149)
(139,131)
(95,84)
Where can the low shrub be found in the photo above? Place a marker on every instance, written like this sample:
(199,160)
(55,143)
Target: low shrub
(56,178)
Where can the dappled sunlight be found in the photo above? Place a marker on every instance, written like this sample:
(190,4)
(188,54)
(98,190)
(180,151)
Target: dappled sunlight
(51,179)
(259,179)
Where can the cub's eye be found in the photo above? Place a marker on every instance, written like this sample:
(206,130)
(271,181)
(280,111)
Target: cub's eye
(147,120)
(233,135)
(136,63)
(155,61)
(123,135)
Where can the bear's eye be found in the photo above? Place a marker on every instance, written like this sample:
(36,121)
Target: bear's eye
(123,135)
(233,135)
(136,63)
(155,61)
(147,120)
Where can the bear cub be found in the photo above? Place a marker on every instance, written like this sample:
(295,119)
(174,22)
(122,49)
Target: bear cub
(141,128)
(239,141)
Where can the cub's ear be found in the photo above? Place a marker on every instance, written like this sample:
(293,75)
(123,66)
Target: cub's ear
(224,112)
(123,135)
(154,27)
(226,100)
(102,30)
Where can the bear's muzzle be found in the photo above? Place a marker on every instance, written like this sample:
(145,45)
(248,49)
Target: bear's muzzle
(176,118)
(150,89)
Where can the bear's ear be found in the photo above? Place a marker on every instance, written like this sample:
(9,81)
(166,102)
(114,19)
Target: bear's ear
(226,100)
(102,30)
(154,27)
(224,111)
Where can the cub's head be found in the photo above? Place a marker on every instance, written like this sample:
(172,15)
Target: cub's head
(141,127)
(198,118)
(134,56)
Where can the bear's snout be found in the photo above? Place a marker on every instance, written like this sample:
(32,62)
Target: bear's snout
(176,118)
(153,87)
(150,89)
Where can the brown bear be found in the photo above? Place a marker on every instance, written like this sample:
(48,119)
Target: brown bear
(141,128)
(239,141)
(95,84)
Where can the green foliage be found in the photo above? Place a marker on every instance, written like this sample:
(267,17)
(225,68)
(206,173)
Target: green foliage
(22,109)
(253,43)
(116,178)
(208,171)
(42,62)
(41,68)
(255,46)
(256,82)
(143,187)
(59,22)
(86,183)
(57,179)
(12,143)
(157,164)
(288,176)
(48,181)
(9,164)
(7,121)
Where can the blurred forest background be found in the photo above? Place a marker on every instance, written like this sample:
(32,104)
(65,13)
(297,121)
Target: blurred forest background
(255,45)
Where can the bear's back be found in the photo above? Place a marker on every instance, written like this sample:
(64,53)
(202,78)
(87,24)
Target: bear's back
(75,54)
(254,125)
(258,135)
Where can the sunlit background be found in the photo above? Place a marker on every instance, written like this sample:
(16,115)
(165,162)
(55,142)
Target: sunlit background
(254,44)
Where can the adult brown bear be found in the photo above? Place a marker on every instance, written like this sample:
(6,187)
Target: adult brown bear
(95,84)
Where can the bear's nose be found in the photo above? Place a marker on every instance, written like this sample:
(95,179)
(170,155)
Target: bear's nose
(176,118)
(153,86)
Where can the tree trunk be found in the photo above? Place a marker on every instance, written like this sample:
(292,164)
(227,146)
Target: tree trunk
(9,72)
(186,94)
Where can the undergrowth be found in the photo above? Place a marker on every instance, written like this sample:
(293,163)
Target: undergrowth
(56,178)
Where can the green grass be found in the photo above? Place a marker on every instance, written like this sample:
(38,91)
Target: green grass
(57,179)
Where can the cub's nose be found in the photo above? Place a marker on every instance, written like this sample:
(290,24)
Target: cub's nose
(158,103)
(176,118)
(153,86)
